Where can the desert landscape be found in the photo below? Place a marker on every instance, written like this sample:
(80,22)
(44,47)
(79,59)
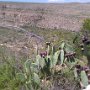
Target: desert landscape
(19,16)
(66,16)
(44,46)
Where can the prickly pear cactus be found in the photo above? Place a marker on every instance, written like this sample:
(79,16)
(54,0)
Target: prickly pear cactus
(84,78)
(62,56)
(36,79)
(27,66)
(55,58)
(21,77)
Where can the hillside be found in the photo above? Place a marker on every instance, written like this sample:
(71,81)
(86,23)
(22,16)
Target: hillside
(42,47)
(26,26)
(53,16)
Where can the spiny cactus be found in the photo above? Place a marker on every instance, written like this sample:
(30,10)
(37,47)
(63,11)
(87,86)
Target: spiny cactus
(80,73)
(30,77)
(45,63)
(21,77)
(84,78)
(54,58)
(62,56)
(27,66)
(36,79)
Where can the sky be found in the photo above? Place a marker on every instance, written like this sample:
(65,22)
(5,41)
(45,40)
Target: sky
(49,1)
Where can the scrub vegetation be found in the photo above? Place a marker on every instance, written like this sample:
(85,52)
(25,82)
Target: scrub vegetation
(43,58)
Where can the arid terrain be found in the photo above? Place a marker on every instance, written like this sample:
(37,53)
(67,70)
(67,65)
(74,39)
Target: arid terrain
(26,26)
(54,16)
(41,46)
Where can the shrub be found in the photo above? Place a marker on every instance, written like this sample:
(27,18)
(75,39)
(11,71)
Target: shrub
(86,25)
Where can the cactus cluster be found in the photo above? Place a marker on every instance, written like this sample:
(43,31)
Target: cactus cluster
(29,77)
(48,63)
(81,73)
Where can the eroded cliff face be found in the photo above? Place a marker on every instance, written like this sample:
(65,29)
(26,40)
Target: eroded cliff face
(54,16)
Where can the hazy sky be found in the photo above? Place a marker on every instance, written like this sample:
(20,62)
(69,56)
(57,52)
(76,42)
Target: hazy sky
(46,1)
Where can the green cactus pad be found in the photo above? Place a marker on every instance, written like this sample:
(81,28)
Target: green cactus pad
(21,77)
(36,78)
(84,78)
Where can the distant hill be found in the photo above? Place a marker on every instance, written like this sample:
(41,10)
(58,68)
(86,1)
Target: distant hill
(55,16)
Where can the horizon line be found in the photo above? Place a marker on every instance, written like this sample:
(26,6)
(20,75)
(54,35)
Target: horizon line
(45,2)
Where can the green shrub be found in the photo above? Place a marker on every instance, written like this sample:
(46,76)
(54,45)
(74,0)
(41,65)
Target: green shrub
(86,24)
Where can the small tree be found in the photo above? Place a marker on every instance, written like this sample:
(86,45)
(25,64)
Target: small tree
(86,25)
